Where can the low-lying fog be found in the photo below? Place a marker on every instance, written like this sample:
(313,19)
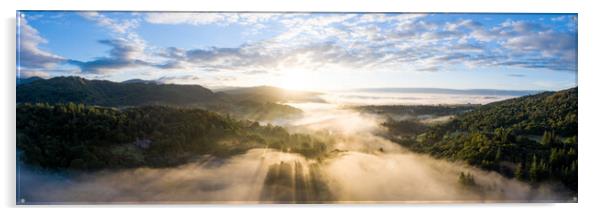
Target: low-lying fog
(363,167)
(387,98)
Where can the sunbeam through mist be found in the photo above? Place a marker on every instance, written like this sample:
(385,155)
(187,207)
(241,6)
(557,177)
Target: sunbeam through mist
(361,167)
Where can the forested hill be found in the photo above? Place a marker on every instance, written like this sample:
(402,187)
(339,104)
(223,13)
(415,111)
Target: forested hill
(535,114)
(531,138)
(81,137)
(453,91)
(107,93)
(21,81)
(274,94)
(62,90)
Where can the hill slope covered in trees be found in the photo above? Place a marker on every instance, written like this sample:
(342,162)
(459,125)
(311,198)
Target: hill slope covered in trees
(273,94)
(531,138)
(80,137)
(107,93)
(61,90)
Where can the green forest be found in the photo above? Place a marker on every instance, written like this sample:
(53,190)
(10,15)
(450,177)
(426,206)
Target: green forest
(84,137)
(531,138)
(251,103)
(70,123)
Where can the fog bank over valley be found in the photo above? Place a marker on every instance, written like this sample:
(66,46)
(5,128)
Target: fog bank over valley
(361,167)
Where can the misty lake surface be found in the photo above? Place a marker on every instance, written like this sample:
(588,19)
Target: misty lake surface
(363,168)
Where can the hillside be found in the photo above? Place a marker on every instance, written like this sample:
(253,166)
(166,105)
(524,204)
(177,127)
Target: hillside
(531,138)
(61,90)
(80,137)
(489,92)
(21,81)
(533,115)
(273,94)
(106,93)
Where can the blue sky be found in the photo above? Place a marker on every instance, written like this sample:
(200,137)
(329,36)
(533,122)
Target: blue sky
(313,51)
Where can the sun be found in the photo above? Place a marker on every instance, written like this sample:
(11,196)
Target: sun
(299,79)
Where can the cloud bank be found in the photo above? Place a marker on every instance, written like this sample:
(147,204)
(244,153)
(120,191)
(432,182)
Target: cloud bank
(29,54)
(324,42)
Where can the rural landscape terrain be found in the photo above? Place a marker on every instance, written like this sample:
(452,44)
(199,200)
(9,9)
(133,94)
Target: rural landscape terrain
(120,107)
(163,143)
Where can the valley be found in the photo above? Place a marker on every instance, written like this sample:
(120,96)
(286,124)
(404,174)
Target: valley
(270,145)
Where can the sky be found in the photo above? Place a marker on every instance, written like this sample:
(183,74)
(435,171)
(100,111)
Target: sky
(305,51)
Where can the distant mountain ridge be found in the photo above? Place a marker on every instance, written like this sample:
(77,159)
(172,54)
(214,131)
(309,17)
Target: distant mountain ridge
(531,138)
(107,93)
(21,81)
(253,105)
(141,81)
(453,91)
(271,93)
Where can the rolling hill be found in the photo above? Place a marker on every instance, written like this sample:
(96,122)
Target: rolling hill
(531,138)
(452,91)
(80,137)
(252,103)
(107,93)
(273,94)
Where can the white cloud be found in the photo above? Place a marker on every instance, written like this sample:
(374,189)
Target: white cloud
(191,18)
(121,27)
(29,53)
(319,20)
(183,79)
(463,23)
(34,73)
(254,19)
(392,41)
(128,49)
(350,42)
(558,19)
(549,42)
(123,54)
(548,49)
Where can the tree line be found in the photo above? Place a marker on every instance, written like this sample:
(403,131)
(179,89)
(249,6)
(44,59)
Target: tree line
(531,138)
(85,137)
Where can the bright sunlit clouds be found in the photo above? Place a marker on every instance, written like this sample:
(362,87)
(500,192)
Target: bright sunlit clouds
(304,51)
(296,79)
